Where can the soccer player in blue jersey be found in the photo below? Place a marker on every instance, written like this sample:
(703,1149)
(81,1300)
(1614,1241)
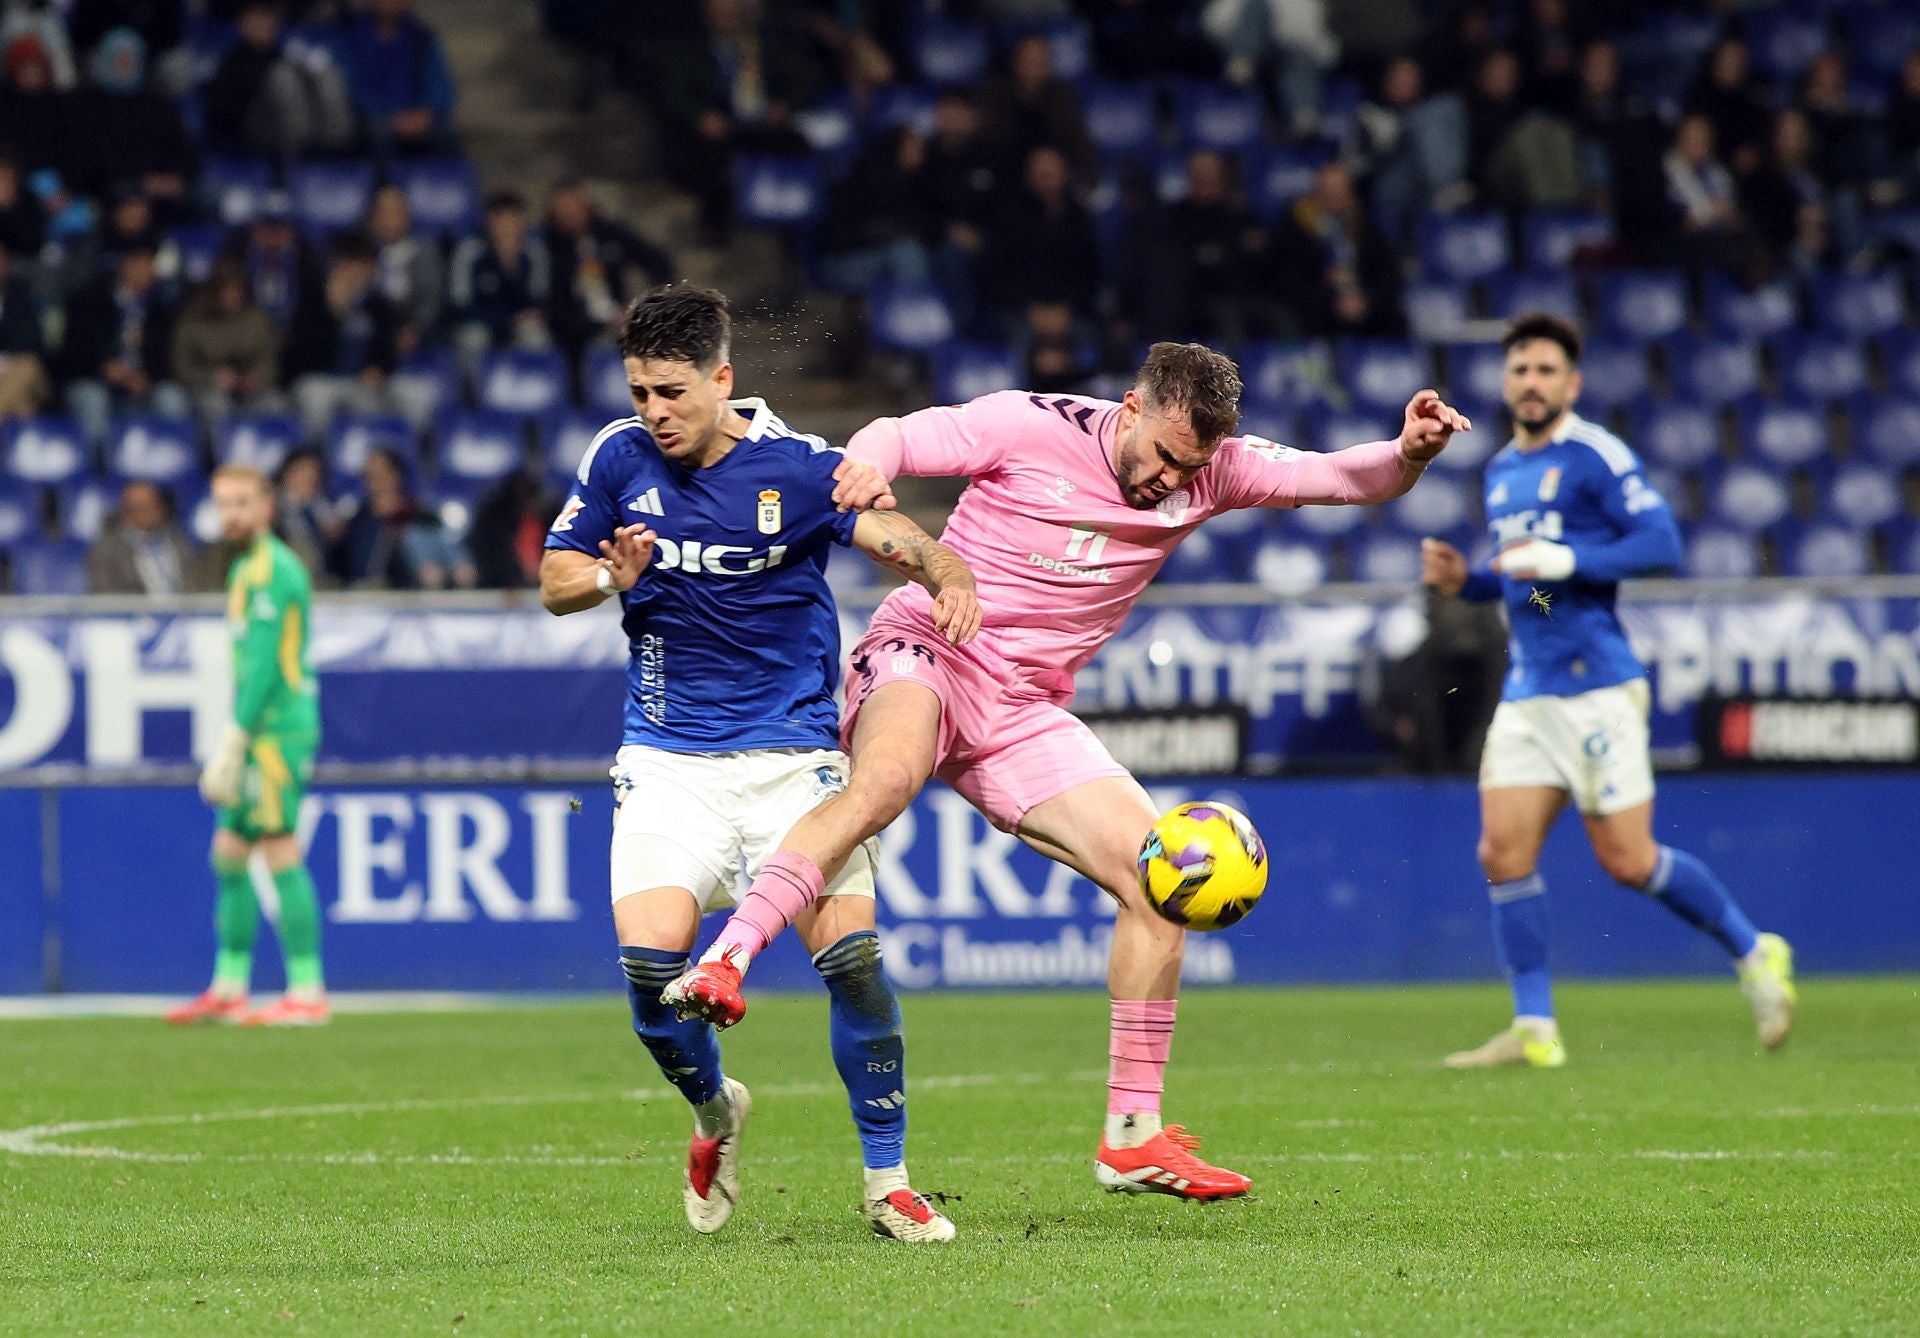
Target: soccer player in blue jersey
(710,520)
(1572,516)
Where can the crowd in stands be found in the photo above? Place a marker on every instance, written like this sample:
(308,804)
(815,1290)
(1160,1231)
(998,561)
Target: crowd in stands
(244,229)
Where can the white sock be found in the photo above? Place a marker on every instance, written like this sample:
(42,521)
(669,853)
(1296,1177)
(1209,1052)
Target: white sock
(1132,1129)
(714,1117)
(1540,1028)
(884,1180)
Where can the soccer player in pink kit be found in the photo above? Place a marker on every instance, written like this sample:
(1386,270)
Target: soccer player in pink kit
(1073,505)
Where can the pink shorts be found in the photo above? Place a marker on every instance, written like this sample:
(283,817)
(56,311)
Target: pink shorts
(1005,746)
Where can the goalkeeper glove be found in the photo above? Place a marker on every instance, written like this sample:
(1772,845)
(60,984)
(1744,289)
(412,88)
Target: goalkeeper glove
(1536,560)
(220,781)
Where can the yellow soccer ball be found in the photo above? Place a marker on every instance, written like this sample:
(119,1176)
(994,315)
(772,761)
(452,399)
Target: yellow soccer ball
(1203,866)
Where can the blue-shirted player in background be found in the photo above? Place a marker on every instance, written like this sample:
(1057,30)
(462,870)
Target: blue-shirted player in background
(1571,517)
(711,521)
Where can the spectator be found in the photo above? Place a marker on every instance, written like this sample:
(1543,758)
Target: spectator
(1149,39)
(23,222)
(1219,248)
(311,521)
(880,215)
(226,353)
(1150,299)
(1055,361)
(413,273)
(501,284)
(39,21)
(844,33)
(1522,157)
(1811,252)
(510,531)
(1700,190)
(161,24)
(283,272)
(344,345)
(269,101)
(128,131)
(391,543)
(962,184)
(142,550)
(36,115)
(399,79)
(1459,46)
(730,89)
(593,261)
(1842,136)
(1903,125)
(1332,267)
(47,561)
(1042,246)
(129,222)
(23,351)
(1029,106)
(1290,35)
(1550,53)
(1726,95)
(1619,146)
(1410,149)
(118,348)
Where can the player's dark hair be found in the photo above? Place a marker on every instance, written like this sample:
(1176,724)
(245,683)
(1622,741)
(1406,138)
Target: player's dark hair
(1193,379)
(679,323)
(1539,325)
(501,201)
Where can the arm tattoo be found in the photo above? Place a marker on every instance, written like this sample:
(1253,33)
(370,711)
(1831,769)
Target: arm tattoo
(917,555)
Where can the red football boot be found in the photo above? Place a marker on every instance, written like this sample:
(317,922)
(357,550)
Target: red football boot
(208,1007)
(709,991)
(1165,1164)
(289,1012)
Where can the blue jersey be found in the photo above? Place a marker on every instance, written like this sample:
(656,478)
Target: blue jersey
(734,637)
(1584,489)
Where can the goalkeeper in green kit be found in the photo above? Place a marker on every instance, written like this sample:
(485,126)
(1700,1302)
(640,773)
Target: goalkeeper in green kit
(261,768)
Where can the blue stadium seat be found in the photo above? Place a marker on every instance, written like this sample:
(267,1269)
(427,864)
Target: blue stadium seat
(903,104)
(948,52)
(1278,177)
(428,382)
(1613,374)
(1712,371)
(1894,225)
(1517,292)
(1828,551)
(1785,433)
(476,448)
(603,383)
(1716,553)
(352,438)
(1384,557)
(528,382)
(1218,116)
(1748,499)
(831,128)
(1289,568)
(564,438)
(1292,374)
(1120,118)
(260,440)
(1819,366)
(1436,311)
(45,450)
(199,246)
(965,371)
(85,506)
(444,195)
(1468,452)
(1550,237)
(1784,40)
(1382,373)
(199,517)
(234,187)
(1902,540)
(1442,503)
(43,566)
(909,318)
(1671,484)
(20,512)
(1859,305)
(1268,421)
(1475,372)
(1642,304)
(1900,358)
(1465,247)
(1326,522)
(778,192)
(1887,428)
(1679,434)
(1200,557)
(159,450)
(1861,496)
(1335,430)
(328,197)
(1071,42)
(1735,311)
(1879,36)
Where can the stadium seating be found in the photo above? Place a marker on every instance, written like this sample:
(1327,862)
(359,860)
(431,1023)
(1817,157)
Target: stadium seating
(1280,176)
(1386,557)
(1784,433)
(1735,311)
(1712,371)
(964,371)
(159,450)
(564,439)
(45,450)
(1680,435)
(1436,311)
(1861,496)
(19,513)
(1748,499)
(351,439)
(1120,118)
(1295,374)
(1464,247)
(525,382)
(235,187)
(260,440)
(1551,238)
(1613,374)
(1382,374)
(443,195)
(1516,292)
(952,53)
(603,382)
(1861,305)
(1476,372)
(1721,554)
(1827,551)
(1219,117)
(1643,305)
(1819,366)
(1887,428)
(476,447)
(779,192)
(909,318)
(902,104)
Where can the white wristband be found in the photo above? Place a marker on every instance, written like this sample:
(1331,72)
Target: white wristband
(604,579)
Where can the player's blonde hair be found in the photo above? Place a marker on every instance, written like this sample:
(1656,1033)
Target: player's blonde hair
(245,472)
(1195,380)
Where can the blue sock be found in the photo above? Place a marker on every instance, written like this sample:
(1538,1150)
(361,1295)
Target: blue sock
(1688,888)
(1520,935)
(869,1048)
(688,1053)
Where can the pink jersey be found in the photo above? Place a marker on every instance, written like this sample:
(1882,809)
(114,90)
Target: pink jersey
(1058,555)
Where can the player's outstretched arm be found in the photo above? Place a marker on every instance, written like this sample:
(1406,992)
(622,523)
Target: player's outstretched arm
(1375,471)
(571,580)
(1443,568)
(896,542)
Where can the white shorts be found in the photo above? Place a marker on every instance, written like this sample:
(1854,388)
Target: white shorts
(1594,746)
(708,821)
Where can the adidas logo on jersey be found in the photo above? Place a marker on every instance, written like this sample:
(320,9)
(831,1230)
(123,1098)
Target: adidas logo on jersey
(647,503)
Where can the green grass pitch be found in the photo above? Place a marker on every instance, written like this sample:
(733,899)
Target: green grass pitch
(517,1172)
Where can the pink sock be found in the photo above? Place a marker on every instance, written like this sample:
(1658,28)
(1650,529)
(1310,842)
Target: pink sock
(787,884)
(1140,1035)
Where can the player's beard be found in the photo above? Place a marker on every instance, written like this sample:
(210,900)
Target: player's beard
(1532,418)
(1134,494)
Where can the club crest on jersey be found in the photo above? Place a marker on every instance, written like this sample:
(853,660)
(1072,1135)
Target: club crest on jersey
(1550,484)
(769,513)
(1173,507)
